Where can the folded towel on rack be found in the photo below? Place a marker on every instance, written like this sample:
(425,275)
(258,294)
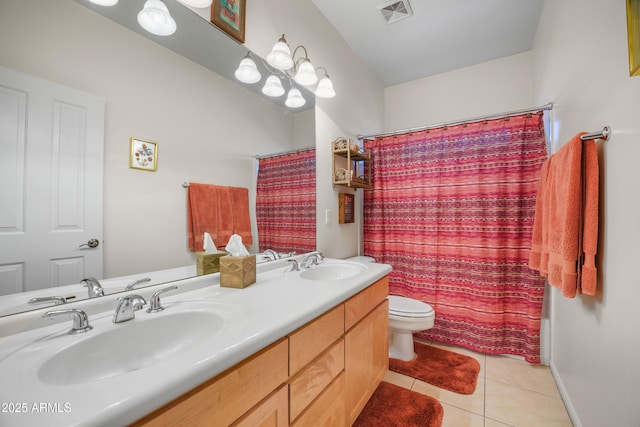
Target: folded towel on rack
(241,219)
(202,214)
(225,216)
(566,221)
(590,232)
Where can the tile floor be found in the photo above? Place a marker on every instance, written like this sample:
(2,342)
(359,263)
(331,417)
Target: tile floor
(510,392)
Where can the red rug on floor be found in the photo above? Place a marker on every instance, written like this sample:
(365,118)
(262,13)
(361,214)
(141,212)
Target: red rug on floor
(441,368)
(394,406)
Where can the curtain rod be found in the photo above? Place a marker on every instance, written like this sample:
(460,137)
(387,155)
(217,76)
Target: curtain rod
(547,106)
(282,153)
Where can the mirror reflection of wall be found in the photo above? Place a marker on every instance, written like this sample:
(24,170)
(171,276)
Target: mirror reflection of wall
(208,128)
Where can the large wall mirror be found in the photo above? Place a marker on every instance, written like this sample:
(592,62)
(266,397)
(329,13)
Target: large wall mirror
(178,92)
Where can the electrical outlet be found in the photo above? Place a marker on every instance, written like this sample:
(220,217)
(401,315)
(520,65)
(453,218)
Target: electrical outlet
(327,216)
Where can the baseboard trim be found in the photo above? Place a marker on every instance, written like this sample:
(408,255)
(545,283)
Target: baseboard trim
(573,415)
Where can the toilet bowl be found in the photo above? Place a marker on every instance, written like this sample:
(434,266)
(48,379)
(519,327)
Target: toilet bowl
(406,316)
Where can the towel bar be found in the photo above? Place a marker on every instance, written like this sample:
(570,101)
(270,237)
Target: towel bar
(603,134)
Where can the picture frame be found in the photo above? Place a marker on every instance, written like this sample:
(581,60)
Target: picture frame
(633,36)
(230,17)
(346,208)
(143,155)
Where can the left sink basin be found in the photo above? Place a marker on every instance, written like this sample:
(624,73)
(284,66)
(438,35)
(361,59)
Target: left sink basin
(130,346)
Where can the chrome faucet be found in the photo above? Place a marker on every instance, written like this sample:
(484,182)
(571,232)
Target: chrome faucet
(46,300)
(94,287)
(154,302)
(294,265)
(80,319)
(133,284)
(127,306)
(271,255)
(311,259)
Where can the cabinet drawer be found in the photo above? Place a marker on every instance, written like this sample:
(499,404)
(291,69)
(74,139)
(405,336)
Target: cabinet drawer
(313,379)
(223,399)
(271,412)
(359,305)
(308,342)
(328,410)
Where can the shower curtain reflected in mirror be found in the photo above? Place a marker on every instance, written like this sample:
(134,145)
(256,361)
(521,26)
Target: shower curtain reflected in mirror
(452,209)
(286,202)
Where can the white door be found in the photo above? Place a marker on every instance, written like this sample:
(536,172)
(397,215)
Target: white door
(51,162)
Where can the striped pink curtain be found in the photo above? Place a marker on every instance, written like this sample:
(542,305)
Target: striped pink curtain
(452,209)
(286,202)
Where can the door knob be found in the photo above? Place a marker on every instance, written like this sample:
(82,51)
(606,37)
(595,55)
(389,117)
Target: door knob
(92,243)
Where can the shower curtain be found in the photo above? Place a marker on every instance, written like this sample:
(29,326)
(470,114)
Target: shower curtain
(452,209)
(286,202)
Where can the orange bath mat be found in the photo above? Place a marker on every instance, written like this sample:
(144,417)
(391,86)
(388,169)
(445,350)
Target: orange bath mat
(441,368)
(394,406)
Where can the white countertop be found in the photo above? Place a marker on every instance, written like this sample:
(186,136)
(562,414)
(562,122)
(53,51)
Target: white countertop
(258,315)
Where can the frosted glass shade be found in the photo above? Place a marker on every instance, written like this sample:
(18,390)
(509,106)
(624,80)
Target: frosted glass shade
(155,18)
(280,55)
(273,87)
(294,99)
(325,88)
(247,72)
(104,2)
(306,74)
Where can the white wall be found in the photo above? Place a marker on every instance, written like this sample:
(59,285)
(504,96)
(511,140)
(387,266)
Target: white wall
(207,128)
(493,87)
(581,64)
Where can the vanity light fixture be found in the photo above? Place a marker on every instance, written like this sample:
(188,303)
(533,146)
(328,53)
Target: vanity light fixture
(300,68)
(155,18)
(247,72)
(294,99)
(104,2)
(273,86)
(199,4)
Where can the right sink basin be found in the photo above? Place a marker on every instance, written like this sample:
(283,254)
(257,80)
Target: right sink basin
(333,271)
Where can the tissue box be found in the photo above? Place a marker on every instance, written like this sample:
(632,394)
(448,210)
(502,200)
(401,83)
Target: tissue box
(208,263)
(237,271)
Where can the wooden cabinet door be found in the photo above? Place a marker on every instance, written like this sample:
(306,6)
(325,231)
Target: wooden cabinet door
(366,358)
(272,412)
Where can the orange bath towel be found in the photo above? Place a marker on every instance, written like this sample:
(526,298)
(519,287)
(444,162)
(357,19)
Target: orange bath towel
(202,214)
(225,217)
(241,220)
(565,231)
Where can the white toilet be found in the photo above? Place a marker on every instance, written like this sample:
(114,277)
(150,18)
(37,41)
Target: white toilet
(406,316)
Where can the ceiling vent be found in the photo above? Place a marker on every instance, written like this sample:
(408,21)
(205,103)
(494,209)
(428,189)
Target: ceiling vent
(395,10)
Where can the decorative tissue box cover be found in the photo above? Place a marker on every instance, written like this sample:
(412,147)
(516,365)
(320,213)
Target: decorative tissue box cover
(237,271)
(208,263)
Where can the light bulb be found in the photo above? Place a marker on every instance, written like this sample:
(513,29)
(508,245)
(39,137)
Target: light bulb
(306,74)
(325,88)
(280,55)
(155,18)
(273,87)
(294,99)
(247,72)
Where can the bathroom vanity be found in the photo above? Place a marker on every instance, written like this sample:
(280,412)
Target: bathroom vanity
(302,348)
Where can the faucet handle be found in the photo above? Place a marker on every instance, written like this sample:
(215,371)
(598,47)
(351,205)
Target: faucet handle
(154,303)
(80,319)
(133,284)
(45,300)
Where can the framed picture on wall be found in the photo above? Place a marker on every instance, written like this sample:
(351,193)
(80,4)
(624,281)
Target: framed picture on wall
(229,16)
(143,155)
(633,36)
(346,208)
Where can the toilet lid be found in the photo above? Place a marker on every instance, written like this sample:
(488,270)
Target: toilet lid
(408,307)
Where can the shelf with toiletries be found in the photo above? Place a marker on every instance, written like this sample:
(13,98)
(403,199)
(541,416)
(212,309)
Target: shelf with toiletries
(350,165)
